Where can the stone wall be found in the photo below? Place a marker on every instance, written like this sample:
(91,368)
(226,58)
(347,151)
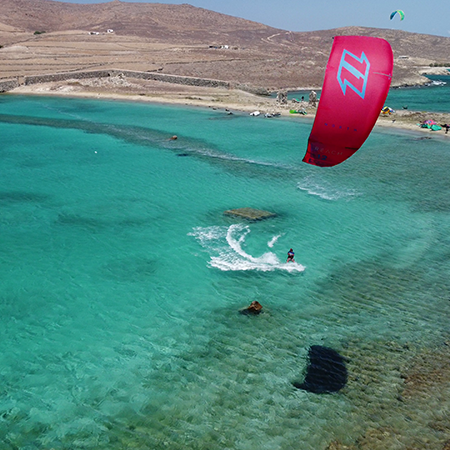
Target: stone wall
(252,89)
(35,79)
(190,81)
(8,85)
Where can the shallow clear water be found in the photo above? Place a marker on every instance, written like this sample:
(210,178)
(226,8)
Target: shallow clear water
(435,97)
(122,279)
(428,98)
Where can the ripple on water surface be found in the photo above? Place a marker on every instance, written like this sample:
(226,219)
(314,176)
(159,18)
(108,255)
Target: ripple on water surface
(122,282)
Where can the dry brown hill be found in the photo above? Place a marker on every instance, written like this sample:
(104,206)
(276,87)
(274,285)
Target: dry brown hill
(174,23)
(176,39)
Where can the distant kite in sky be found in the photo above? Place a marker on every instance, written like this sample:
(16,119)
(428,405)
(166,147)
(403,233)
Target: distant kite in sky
(399,12)
(356,84)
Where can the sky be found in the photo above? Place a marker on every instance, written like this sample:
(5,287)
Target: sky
(421,16)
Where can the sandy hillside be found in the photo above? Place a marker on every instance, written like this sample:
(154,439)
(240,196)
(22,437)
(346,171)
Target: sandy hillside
(185,40)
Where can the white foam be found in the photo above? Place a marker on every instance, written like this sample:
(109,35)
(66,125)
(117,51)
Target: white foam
(325,190)
(225,246)
(437,83)
(272,242)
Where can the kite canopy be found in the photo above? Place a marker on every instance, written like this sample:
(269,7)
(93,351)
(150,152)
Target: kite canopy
(356,85)
(399,12)
(431,124)
(387,110)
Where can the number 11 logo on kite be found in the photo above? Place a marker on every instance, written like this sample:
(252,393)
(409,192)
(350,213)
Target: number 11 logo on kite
(359,73)
(353,93)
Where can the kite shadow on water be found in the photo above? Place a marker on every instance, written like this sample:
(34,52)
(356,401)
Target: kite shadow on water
(326,371)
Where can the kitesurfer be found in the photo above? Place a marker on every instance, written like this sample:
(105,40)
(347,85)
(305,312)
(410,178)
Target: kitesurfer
(290,256)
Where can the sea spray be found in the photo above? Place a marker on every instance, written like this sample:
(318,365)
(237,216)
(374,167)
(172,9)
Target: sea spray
(225,246)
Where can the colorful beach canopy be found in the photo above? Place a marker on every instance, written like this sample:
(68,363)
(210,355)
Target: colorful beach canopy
(356,84)
(399,12)
(431,124)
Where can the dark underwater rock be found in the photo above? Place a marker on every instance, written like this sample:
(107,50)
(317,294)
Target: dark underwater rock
(249,213)
(255,308)
(326,371)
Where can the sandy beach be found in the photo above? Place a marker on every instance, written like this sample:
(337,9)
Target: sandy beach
(127,89)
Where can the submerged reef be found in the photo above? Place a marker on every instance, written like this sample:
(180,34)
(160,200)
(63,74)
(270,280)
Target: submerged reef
(326,371)
(250,213)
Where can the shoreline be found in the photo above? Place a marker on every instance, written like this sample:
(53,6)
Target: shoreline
(227,100)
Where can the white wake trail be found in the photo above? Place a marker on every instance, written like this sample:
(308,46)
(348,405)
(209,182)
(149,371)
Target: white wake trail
(225,246)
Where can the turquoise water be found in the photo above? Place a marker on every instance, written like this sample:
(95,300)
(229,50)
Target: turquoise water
(427,98)
(122,280)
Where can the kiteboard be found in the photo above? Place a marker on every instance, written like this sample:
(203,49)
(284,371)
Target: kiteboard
(356,84)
